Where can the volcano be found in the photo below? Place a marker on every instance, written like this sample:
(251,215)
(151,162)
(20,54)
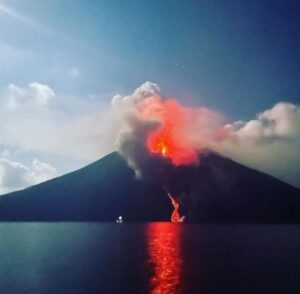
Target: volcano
(218,190)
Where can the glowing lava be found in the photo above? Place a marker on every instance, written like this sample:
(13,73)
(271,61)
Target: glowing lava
(171,139)
(160,142)
(175,217)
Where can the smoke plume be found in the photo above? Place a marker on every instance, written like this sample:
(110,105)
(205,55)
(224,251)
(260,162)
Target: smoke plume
(163,141)
(160,139)
(158,133)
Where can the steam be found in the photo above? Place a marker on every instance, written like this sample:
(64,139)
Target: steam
(158,134)
(160,139)
(269,142)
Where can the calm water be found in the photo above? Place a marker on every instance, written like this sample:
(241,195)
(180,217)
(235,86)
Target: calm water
(148,258)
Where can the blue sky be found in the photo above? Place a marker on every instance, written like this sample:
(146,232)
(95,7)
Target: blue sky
(237,57)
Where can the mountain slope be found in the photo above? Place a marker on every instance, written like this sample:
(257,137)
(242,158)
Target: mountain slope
(221,190)
(218,190)
(100,191)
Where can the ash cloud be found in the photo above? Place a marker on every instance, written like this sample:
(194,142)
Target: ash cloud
(270,142)
(131,140)
(146,111)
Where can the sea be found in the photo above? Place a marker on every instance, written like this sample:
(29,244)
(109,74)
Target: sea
(158,258)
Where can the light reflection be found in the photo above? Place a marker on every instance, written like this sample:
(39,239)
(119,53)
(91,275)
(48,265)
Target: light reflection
(164,257)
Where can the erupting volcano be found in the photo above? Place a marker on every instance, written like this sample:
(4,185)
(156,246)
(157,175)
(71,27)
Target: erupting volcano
(164,158)
(167,140)
(160,136)
(171,139)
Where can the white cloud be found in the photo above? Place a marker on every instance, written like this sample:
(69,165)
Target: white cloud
(42,94)
(41,171)
(35,118)
(270,142)
(33,95)
(15,175)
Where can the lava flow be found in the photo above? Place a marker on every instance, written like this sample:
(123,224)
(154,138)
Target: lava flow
(175,217)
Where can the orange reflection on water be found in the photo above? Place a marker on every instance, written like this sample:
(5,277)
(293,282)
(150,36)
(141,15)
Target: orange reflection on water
(164,257)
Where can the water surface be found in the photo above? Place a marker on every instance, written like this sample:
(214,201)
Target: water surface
(148,258)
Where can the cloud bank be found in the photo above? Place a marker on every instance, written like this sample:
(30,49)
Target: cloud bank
(35,120)
(269,143)
(15,176)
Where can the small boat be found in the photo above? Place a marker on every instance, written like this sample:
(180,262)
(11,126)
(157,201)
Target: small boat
(119,220)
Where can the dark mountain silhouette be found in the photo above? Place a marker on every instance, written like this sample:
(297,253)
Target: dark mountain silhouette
(218,190)
(100,191)
(221,190)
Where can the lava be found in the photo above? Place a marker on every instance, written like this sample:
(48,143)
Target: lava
(171,139)
(175,217)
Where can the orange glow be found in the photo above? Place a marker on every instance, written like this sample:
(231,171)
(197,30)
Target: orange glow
(165,257)
(175,217)
(171,140)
